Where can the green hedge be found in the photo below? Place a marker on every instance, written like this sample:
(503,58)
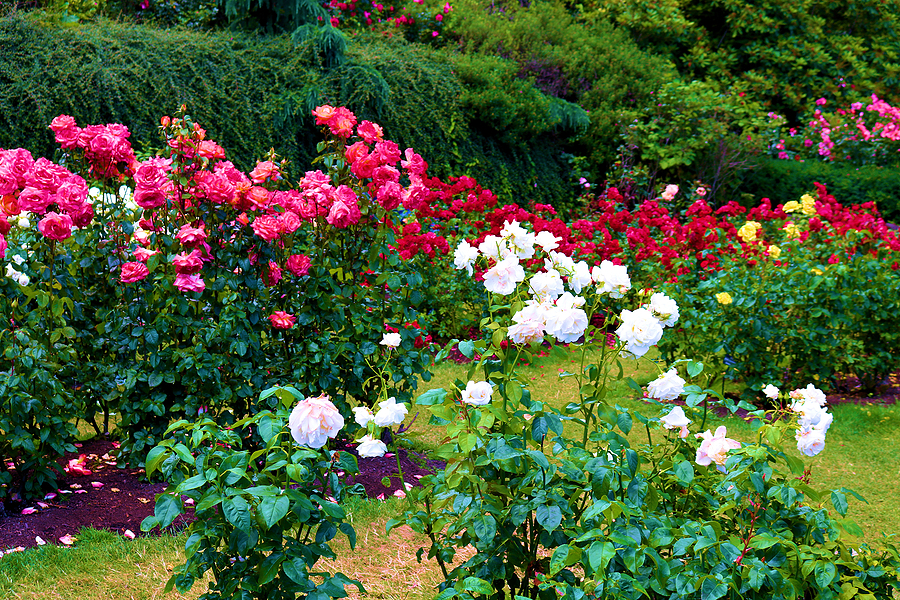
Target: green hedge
(783,180)
(255,92)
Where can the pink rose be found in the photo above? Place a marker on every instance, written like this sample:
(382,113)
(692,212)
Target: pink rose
(72,193)
(3,246)
(210,149)
(268,227)
(9,183)
(282,320)
(191,236)
(271,274)
(370,132)
(289,221)
(258,197)
(47,175)
(153,174)
(66,130)
(35,200)
(266,170)
(298,264)
(189,283)
(342,122)
(323,114)
(714,448)
(389,195)
(345,210)
(218,188)
(143,254)
(81,214)
(385,173)
(149,198)
(56,226)
(314,420)
(414,163)
(133,271)
(188,264)
(388,152)
(356,151)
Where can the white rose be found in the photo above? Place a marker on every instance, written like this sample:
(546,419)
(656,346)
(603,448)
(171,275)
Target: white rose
(611,279)
(314,420)
(547,285)
(566,321)
(580,277)
(390,413)
(810,441)
(494,247)
(663,308)
(464,256)
(391,340)
(547,241)
(560,262)
(667,386)
(369,448)
(676,419)
(771,392)
(526,332)
(477,394)
(639,330)
(520,241)
(362,415)
(503,276)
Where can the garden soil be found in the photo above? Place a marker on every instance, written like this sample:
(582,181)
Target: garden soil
(118,499)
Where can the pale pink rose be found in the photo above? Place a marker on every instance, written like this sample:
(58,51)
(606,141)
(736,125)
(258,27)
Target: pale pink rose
(676,419)
(133,271)
(314,420)
(298,264)
(282,320)
(188,263)
(142,254)
(810,441)
(268,227)
(503,276)
(670,192)
(667,386)
(370,448)
(714,448)
(390,412)
(56,226)
(189,283)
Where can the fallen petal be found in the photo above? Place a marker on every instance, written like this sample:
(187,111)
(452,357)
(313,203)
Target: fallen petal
(114,489)
(81,491)
(189,501)
(29,511)
(400,494)
(67,540)
(50,496)
(96,485)
(39,540)
(75,486)
(43,505)
(129,534)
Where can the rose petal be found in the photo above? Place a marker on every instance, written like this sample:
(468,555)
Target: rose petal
(129,534)
(65,491)
(96,485)
(81,491)
(189,501)
(77,445)
(39,540)
(400,494)
(67,540)
(114,489)
(43,505)
(50,496)
(75,486)
(29,511)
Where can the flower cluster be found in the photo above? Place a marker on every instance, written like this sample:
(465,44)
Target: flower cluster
(813,418)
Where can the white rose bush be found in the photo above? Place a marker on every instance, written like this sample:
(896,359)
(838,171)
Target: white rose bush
(561,504)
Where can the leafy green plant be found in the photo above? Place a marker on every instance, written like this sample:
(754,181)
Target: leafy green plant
(265,512)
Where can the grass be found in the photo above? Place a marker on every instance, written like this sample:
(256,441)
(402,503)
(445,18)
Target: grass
(861,454)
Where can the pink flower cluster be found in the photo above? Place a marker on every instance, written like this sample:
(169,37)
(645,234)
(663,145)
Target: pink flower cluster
(106,147)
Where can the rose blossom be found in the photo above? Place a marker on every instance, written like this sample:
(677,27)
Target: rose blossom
(133,271)
(298,264)
(66,130)
(363,415)
(266,170)
(390,412)
(566,320)
(611,279)
(547,285)
(639,330)
(547,241)
(370,448)
(282,320)
(271,274)
(189,283)
(771,392)
(527,331)
(391,340)
(314,420)
(56,226)
(268,227)
(676,419)
(188,263)
(477,394)
(503,276)
(667,386)
(464,256)
(670,192)
(663,308)
(34,200)
(714,448)
(191,236)
(810,441)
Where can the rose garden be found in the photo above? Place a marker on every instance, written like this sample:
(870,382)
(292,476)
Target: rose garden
(629,388)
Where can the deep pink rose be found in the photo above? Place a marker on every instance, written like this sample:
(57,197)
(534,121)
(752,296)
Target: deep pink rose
(268,227)
(35,200)
(66,131)
(21,162)
(4,224)
(264,171)
(210,149)
(55,226)
(385,173)
(290,221)
(47,175)
(133,271)
(370,132)
(388,152)
(298,264)
(258,197)
(191,236)
(72,193)
(271,274)
(282,320)
(9,183)
(189,283)
(2,246)
(342,122)
(357,151)
(414,164)
(81,214)
(188,264)
(149,198)
(389,195)
(153,173)
(218,188)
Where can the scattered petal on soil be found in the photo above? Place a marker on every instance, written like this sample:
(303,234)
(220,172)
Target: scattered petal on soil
(67,539)
(29,511)
(39,541)
(129,534)
(96,485)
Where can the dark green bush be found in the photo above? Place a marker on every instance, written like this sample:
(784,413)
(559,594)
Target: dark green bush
(783,180)
(252,92)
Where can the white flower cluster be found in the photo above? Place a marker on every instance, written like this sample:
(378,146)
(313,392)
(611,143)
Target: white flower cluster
(17,276)
(390,412)
(553,309)
(813,418)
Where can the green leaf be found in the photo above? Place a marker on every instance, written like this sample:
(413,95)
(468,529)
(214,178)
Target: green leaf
(296,570)
(477,585)
(558,560)
(155,379)
(269,567)
(712,589)
(467,348)
(624,422)
(168,508)
(825,572)
(694,368)
(549,517)
(684,471)
(634,385)
(431,397)
(154,459)
(273,509)
(839,500)
(599,555)
(485,527)
(237,512)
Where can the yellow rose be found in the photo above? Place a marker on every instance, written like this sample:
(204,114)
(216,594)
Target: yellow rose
(808,204)
(748,231)
(791,230)
(774,251)
(817,271)
(723,298)
(791,206)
